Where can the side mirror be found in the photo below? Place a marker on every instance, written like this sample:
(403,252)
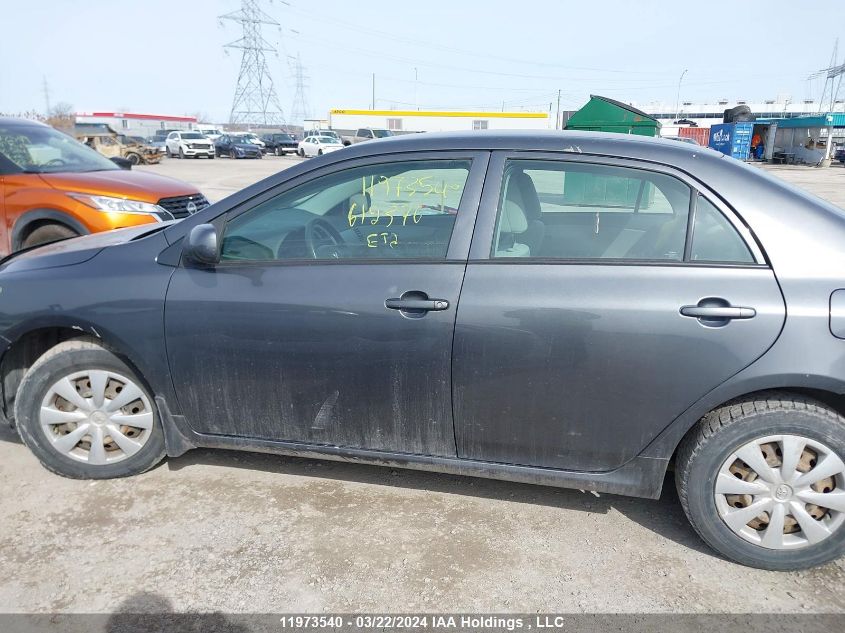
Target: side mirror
(201,245)
(121,162)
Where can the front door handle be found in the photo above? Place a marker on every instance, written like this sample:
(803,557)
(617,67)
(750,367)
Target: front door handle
(426,305)
(717,312)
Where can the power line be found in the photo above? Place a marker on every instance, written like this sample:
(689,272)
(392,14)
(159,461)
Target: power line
(255,100)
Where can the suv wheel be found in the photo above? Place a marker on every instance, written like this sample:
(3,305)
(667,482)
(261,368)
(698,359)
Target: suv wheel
(762,481)
(181,153)
(86,415)
(47,233)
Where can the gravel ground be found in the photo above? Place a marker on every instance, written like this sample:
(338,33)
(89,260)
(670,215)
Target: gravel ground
(239,532)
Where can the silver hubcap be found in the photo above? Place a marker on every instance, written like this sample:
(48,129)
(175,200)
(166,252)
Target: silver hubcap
(782,492)
(96,416)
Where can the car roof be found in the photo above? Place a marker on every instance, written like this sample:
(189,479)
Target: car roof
(598,143)
(15,122)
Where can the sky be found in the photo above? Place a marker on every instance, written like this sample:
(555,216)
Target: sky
(168,56)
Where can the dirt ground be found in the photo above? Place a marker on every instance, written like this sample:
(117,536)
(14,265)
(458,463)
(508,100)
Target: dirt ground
(239,532)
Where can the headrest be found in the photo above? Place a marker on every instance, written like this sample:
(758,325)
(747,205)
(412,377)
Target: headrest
(513,218)
(522,191)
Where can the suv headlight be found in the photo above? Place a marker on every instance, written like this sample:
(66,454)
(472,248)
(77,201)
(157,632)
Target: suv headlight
(117,205)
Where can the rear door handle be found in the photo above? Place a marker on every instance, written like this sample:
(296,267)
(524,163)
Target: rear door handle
(718,312)
(417,304)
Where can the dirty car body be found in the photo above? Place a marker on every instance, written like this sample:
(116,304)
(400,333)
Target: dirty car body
(556,308)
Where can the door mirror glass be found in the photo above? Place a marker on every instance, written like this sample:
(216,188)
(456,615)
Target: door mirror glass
(201,245)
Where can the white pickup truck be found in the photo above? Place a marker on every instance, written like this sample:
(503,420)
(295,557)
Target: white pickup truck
(367,134)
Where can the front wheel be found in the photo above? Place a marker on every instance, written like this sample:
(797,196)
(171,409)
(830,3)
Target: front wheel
(85,414)
(47,233)
(301,153)
(762,480)
(133,158)
(181,153)
(319,152)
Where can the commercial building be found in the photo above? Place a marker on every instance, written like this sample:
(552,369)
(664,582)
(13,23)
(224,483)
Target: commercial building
(135,124)
(706,114)
(404,121)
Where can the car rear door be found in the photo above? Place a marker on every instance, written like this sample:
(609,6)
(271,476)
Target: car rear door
(591,313)
(319,340)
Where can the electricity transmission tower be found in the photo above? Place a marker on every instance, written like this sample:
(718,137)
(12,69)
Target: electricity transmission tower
(46,90)
(300,110)
(256,101)
(833,80)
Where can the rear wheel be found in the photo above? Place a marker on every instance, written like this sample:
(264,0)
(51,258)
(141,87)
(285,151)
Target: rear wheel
(85,414)
(47,233)
(762,481)
(319,152)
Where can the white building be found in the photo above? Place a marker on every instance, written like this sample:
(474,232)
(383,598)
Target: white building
(706,114)
(347,121)
(132,124)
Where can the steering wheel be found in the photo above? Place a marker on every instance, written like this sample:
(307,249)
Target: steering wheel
(319,233)
(55,162)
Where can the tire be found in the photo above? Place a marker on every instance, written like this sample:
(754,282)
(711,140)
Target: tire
(319,152)
(764,427)
(168,153)
(211,157)
(301,153)
(47,233)
(233,155)
(181,153)
(133,158)
(279,151)
(76,358)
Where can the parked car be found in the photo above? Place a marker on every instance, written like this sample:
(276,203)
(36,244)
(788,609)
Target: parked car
(370,133)
(104,140)
(574,309)
(211,132)
(839,154)
(253,138)
(318,132)
(189,145)
(318,145)
(280,143)
(237,146)
(52,187)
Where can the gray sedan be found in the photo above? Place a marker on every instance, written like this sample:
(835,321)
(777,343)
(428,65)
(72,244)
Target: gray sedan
(575,310)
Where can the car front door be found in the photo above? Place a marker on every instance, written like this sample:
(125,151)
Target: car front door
(329,319)
(602,298)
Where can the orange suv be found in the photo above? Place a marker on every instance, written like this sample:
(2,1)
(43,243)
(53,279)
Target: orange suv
(52,187)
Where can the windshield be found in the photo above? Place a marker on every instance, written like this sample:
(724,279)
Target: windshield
(37,149)
(192,135)
(330,140)
(241,138)
(382,133)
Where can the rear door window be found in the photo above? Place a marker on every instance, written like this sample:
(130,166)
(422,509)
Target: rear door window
(577,211)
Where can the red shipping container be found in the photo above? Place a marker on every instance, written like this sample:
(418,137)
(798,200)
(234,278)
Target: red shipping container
(700,135)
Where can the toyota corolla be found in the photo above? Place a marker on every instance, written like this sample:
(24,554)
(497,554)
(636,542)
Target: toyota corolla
(577,310)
